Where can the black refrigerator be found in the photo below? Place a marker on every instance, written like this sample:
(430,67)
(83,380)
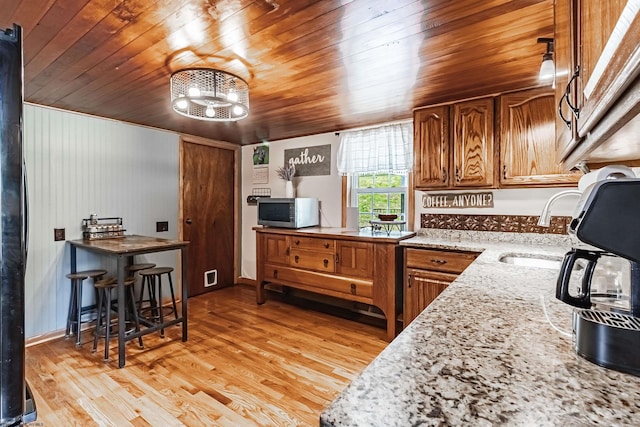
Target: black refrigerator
(16,404)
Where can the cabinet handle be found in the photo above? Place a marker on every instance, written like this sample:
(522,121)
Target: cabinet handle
(504,171)
(439,261)
(575,110)
(561,114)
(457,174)
(326,245)
(297,242)
(337,258)
(444,175)
(275,274)
(409,281)
(296,258)
(325,262)
(353,288)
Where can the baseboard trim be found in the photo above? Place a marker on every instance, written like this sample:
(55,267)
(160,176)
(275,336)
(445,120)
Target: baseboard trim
(245,281)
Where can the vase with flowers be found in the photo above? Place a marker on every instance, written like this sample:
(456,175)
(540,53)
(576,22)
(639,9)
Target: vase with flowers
(286,173)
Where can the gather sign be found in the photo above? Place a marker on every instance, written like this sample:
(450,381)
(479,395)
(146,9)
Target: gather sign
(458,200)
(310,161)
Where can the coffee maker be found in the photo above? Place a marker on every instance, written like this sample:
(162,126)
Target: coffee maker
(606,322)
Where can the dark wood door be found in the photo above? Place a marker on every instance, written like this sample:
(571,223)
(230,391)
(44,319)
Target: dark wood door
(208,183)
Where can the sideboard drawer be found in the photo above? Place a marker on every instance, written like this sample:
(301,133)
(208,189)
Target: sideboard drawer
(313,243)
(313,260)
(318,281)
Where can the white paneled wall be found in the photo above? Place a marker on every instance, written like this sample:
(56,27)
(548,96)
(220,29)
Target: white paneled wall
(77,165)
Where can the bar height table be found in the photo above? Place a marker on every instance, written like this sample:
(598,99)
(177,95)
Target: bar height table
(124,249)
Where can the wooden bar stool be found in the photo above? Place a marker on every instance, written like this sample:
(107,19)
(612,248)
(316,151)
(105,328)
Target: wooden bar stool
(76,310)
(132,269)
(104,288)
(152,278)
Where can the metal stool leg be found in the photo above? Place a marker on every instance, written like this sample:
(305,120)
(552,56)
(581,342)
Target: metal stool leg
(134,313)
(78,312)
(107,330)
(98,322)
(160,304)
(72,307)
(173,297)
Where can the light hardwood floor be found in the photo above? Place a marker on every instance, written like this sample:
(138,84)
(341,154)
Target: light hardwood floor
(243,365)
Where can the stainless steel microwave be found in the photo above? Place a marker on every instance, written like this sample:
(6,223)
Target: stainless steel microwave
(298,212)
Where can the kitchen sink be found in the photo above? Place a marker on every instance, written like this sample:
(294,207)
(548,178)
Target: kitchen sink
(532,260)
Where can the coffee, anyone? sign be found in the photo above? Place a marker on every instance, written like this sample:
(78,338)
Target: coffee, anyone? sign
(458,200)
(310,161)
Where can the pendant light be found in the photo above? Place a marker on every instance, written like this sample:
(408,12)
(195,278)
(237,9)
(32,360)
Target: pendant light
(547,68)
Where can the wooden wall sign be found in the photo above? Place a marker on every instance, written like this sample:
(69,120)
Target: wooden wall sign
(310,161)
(458,200)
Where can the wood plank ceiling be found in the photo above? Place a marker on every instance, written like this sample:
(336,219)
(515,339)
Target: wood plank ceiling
(311,66)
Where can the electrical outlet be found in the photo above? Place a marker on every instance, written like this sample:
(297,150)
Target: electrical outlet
(58,234)
(162,226)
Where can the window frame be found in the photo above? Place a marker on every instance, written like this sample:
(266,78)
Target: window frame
(349,198)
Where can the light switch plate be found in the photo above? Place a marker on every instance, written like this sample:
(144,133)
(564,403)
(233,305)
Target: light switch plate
(58,234)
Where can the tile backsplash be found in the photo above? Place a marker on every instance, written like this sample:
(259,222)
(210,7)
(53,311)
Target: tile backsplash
(504,223)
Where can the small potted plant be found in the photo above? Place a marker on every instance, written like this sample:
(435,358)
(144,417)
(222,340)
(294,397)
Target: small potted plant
(286,173)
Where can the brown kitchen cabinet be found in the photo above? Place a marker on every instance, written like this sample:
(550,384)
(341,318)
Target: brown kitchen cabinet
(527,141)
(565,62)
(431,147)
(454,145)
(606,101)
(427,273)
(473,141)
(347,265)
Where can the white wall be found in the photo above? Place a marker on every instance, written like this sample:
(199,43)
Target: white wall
(329,191)
(78,165)
(507,202)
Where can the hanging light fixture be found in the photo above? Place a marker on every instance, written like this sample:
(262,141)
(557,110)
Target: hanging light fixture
(547,69)
(209,94)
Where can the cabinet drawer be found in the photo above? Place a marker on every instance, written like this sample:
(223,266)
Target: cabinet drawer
(313,260)
(447,261)
(343,287)
(313,243)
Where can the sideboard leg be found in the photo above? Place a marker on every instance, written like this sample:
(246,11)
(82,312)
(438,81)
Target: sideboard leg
(260,293)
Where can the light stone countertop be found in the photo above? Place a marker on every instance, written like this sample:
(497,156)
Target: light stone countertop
(483,353)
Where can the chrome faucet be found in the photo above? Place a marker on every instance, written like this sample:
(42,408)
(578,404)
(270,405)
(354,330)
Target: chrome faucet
(545,216)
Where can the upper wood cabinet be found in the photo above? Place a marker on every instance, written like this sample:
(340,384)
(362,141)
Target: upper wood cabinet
(472,124)
(527,140)
(431,147)
(601,40)
(454,145)
(565,62)
(462,145)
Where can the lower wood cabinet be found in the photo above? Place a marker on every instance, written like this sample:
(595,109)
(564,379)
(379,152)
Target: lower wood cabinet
(352,267)
(428,272)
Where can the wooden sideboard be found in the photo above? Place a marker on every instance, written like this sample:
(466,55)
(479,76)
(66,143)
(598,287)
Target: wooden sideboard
(355,266)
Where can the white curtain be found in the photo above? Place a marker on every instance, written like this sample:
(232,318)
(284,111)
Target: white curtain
(386,148)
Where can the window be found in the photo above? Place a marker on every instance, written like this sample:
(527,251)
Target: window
(379,193)
(376,163)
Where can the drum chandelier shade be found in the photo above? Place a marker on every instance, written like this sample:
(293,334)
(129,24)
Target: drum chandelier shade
(208,94)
